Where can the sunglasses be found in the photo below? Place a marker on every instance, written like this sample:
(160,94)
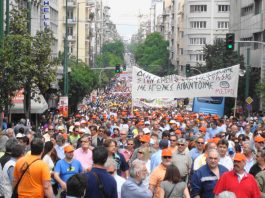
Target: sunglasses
(140,152)
(70,168)
(111,172)
(200,142)
(167,157)
(181,144)
(173,140)
(130,144)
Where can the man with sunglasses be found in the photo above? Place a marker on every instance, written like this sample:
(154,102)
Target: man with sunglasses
(157,176)
(65,168)
(198,150)
(182,159)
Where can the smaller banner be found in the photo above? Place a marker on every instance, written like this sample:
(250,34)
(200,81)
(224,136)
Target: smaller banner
(63,106)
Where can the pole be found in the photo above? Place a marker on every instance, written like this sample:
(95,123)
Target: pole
(154,17)
(247,73)
(7,17)
(235,107)
(1,20)
(27,90)
(77,34)
(66,52)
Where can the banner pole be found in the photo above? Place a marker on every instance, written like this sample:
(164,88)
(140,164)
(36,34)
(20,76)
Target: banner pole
(235,107)
(132,107)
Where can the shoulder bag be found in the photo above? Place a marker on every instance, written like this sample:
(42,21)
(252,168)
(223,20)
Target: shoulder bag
(15,193)
(171,191)
(100,186)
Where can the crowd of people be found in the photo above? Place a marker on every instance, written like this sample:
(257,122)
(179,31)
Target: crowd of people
(110,151)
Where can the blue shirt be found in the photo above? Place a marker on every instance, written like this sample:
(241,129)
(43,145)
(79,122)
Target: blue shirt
(211,133)
(204,180)
(66,170)
(156,159)
(130,189)
(194,153)
(109,183)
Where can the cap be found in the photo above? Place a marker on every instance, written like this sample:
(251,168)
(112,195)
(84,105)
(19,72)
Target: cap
(178,132)
(145,138)
(146,131)
(166,152)
(202,129)
(83,121)
(77,123)
(172,122)
(163,144)
(240,157)
(147,123)
(68,149)
(60,128)
(20,135)
(259,139)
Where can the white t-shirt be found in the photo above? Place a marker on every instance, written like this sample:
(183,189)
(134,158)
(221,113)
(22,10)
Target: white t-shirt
(48,160)
(227,162)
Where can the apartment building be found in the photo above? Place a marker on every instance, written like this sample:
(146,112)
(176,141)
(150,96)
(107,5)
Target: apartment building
(204,22)
(248,23)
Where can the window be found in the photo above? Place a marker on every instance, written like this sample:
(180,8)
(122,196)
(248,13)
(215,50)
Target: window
(198,8)
(223,8)
(258,6)
(247,10)
(197,57)
(70,31)
(223,24)
(198,24)
(70,14)
(197,41)
(181,51)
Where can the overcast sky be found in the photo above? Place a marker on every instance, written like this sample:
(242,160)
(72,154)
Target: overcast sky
(124,13)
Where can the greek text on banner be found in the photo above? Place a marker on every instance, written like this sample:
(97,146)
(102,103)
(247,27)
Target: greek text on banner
(222,83)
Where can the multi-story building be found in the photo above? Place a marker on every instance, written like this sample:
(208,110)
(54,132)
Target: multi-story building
(205,21)
(79,15)
(247,21)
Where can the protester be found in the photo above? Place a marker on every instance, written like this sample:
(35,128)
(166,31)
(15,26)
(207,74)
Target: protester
(36,181)
(172,185)
(238,180)
(205,178)
(133,187)
(76,186)
(100,183)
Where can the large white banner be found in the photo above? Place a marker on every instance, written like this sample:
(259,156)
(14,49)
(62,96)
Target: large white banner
(222,82)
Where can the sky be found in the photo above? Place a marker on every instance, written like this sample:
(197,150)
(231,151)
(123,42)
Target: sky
(124,13)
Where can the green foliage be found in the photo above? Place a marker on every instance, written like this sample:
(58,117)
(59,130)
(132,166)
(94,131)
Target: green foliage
(153,54)
(82,80)
(115,48)
(24,60)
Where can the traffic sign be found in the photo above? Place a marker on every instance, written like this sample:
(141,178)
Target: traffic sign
(249,100)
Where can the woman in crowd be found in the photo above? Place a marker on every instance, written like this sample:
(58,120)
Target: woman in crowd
(173,186)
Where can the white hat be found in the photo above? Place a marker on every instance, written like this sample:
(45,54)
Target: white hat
(20,135)
(77,123)
(172,122)
(147,122)
(146,130)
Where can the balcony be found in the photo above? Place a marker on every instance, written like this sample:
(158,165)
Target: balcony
(70,3)
(71,21)
(71,38)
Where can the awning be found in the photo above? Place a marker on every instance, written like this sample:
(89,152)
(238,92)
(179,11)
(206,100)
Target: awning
(36,106)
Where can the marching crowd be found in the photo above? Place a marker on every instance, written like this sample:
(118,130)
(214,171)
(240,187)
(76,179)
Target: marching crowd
(110,151)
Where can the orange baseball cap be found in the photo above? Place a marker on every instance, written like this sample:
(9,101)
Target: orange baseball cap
(145,138)
(178,132)
(259,139)
(240,157)
(202,129)
(68,149)
(166,152)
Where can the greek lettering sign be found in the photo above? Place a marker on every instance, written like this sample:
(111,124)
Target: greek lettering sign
(222,82)
(45,13)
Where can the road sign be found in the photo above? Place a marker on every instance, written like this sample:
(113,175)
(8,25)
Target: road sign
(249,100)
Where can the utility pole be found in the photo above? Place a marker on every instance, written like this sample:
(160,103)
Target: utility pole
(66,52)
(7,17)
(1,20)
(247,73)
(27,89)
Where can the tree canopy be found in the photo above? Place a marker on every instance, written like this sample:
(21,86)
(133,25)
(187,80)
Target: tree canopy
(152,55)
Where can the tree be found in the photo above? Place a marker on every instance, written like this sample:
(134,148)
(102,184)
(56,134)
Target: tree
(153,55)
(217,57)
(26,59)
(82,80)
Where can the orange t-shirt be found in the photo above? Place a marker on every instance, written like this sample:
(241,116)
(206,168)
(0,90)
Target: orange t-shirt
(156,177)
(31,183)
